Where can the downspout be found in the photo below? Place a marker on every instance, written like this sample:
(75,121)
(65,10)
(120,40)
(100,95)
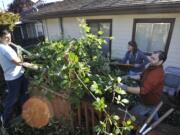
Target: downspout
(61,27)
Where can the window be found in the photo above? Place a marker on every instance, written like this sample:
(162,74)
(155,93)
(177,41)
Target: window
(25,33)
(106,27)
(31,31)
(39,29)
(153,34)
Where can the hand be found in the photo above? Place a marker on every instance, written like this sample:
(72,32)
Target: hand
(123,86)
(135,77)
(30,65)
(136,65)
(42,69)
(125,77)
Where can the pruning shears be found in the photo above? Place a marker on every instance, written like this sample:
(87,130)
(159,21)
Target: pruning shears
(144,129)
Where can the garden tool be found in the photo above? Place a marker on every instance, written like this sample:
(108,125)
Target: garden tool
(31,66)
(20,49)
(144,130)
(151,117)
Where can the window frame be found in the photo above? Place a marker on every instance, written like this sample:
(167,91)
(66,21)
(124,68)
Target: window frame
(156,20)
(88,21)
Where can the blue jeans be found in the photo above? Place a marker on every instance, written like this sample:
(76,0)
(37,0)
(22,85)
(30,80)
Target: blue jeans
(144,110)
(17,93)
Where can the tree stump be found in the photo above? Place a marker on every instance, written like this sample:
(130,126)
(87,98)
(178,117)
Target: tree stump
(37,112)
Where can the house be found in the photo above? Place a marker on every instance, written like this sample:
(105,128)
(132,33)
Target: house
(154,24)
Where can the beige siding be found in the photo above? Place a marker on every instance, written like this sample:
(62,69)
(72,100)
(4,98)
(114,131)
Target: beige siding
(45,29)
(71,27)
(53,29)
(122,26)
(174,48)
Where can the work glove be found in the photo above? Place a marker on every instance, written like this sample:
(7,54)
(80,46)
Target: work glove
(30,65)
(123,86)
(137,65)
(125,77)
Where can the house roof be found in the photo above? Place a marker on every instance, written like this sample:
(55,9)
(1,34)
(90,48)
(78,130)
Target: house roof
(103,7)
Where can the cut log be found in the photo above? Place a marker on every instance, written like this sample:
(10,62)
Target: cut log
(59,101)
(37,112)
(61,108)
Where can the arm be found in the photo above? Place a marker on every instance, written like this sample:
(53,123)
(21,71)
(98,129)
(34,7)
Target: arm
(143,58)
(151,81)
(133,90)
(136,77)
(17,61)
(125,59)
(11,55)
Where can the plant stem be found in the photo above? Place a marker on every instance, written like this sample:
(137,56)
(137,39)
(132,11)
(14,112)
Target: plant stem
(85,85)
(53,92)
(88,90)
(124,119)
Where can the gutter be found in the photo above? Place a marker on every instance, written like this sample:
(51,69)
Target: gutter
(134,9)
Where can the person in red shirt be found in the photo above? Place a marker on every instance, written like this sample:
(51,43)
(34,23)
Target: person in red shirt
(151,85)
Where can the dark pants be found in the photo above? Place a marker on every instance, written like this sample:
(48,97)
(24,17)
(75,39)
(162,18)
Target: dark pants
(17,93)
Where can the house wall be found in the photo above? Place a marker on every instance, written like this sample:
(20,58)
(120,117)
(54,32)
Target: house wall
(52,29)
(71,27)
(122,27)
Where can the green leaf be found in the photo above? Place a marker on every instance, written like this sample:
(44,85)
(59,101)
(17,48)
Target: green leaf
(125,101)
(87,29)
(64,67)
(100,32)
(103,124)
(117,131)
(133,118)
(118,79)
(73,58)
(86,80)
(95,88)
(94,58)
(99,104)
(111,38)
(99,46)
(119,97)
(116,117)
(129,122)
(120,91)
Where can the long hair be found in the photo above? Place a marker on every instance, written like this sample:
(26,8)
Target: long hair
(134,45)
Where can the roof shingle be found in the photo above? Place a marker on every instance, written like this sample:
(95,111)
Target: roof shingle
(83,7)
